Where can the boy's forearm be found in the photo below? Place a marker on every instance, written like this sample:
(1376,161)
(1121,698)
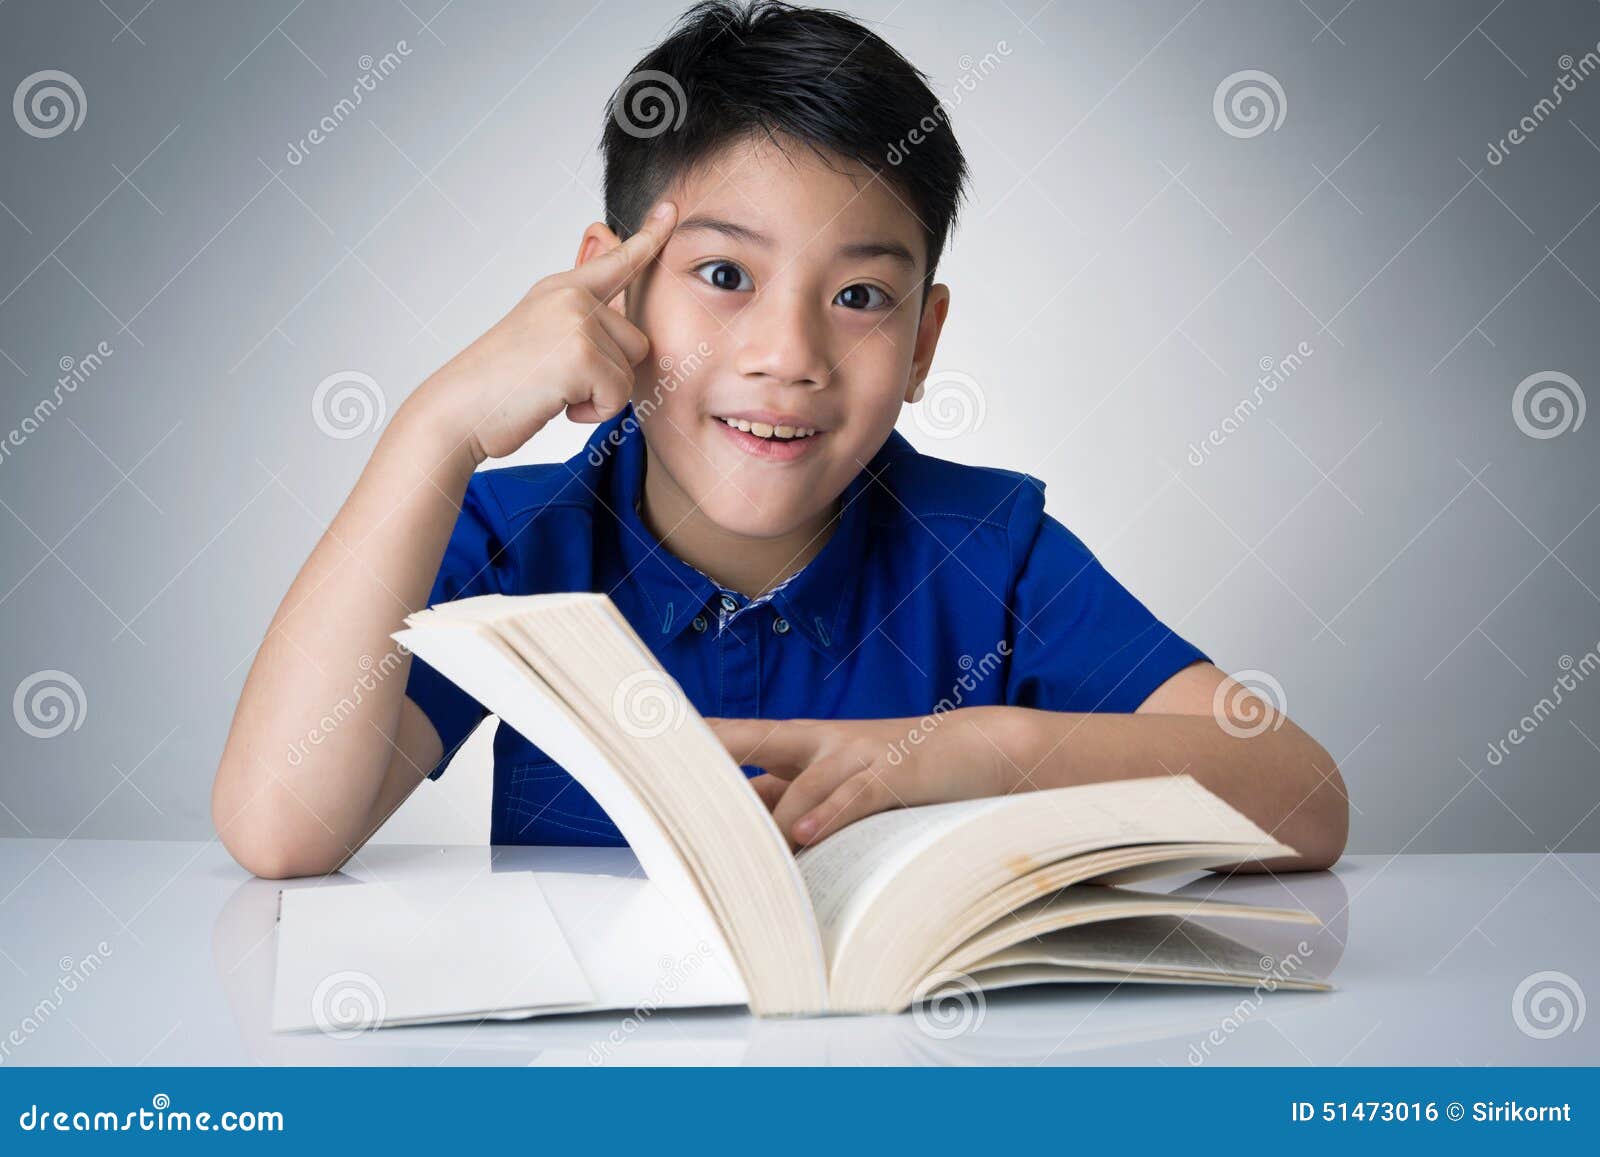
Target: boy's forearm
(1281,779)
(292,795)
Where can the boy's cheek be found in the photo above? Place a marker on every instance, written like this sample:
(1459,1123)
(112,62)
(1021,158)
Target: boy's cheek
(685,356)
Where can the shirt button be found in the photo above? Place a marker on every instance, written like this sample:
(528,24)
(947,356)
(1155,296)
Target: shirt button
(699,623)
(728,604)
(781,626)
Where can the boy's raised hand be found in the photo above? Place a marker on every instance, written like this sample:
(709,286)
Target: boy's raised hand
(562,347)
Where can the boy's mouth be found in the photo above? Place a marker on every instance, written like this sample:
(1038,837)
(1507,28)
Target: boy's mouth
(781,437)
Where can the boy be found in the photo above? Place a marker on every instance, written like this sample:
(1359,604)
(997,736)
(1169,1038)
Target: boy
(745,501)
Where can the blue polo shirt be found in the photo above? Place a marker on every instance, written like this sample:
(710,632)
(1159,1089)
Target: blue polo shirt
(943,585)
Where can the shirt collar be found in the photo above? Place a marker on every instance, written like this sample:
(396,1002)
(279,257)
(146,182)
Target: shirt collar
(813,600)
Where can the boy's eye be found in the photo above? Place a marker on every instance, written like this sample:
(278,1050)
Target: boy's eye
(862,296)
(724,275)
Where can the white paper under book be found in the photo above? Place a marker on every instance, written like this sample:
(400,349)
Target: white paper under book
(1022,889)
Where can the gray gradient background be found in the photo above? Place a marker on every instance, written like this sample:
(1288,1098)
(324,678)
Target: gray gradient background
(1380,536)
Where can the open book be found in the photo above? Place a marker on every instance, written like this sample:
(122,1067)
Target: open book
(1013,890)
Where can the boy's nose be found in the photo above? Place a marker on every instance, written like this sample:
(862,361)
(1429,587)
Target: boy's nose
(781,337)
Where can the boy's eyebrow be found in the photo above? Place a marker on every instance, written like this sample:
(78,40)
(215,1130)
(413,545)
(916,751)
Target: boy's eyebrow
(864,250)
(859,250)
(727,228)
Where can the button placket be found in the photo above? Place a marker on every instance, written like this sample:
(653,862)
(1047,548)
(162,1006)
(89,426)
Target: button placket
(740,660)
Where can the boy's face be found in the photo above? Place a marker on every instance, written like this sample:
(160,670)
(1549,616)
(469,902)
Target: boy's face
(789,294)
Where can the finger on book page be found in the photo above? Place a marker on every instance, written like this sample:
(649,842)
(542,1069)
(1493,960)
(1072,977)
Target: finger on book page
(782,747)
(859,796)
(770,788)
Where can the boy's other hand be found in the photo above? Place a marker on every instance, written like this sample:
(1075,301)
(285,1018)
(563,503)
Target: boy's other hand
(563,347)
(832,772)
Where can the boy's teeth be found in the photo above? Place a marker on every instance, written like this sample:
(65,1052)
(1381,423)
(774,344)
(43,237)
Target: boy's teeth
(763,430)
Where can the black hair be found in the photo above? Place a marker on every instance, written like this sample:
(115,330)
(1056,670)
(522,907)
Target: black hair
(769,69)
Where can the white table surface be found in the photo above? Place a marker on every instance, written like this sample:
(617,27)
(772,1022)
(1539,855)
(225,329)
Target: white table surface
(1426,952)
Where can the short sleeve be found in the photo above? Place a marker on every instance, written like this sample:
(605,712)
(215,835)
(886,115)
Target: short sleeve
(474,564)
(1081,640)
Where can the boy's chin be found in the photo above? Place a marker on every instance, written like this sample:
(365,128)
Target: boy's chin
(774,520)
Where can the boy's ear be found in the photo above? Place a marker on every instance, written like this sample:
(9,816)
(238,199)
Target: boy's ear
(935,307)
(598,239)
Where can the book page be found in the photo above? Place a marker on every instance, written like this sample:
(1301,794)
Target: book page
(889,930)
(845,871)
(571,673)
(1151,945)
(482,666)
(635,948)
(358,956)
